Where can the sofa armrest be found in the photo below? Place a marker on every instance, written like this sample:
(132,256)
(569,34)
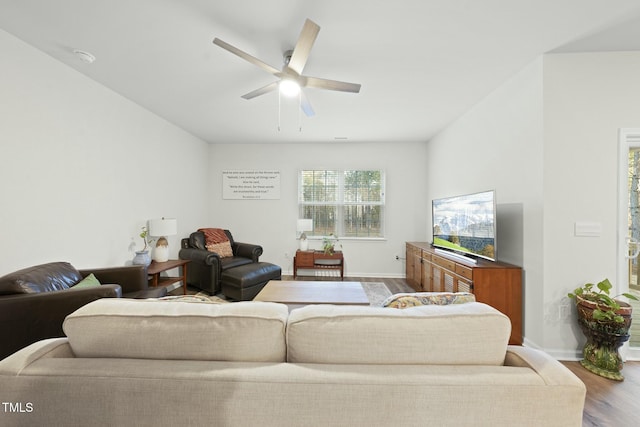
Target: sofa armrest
(27,318)
(131,278)
(199,256)
(204,270)
(548,368)
(248,250)
(49,348)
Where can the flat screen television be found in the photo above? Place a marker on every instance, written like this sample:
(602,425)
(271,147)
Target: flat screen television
(466,224)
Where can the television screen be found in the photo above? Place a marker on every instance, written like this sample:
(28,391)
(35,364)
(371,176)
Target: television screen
(466,224)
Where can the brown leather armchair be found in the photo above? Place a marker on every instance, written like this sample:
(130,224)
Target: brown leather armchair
(205,269)
(35,301)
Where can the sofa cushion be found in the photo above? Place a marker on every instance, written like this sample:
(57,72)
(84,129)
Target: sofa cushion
(233,262)
(217,241)
(151,329)
(404,300)
(460,334)
(91,281)
(54,276)
(223,249)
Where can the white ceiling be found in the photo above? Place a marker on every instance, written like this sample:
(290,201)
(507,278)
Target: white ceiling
(421,63)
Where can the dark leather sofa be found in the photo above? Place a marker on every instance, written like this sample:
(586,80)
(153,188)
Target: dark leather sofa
(35,301)
(206,268)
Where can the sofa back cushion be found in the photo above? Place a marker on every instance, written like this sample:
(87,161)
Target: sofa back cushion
(54,276)
(461,334)
(152,329)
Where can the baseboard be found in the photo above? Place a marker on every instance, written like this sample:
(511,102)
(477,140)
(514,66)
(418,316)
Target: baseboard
(556,354)
(331,273)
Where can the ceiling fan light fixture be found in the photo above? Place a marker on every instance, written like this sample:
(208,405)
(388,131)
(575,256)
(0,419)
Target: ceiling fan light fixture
(289,88)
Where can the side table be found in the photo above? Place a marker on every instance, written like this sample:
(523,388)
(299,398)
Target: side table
(155,268)
(318,260)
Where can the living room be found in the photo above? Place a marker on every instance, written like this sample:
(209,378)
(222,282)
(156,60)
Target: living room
(85,168)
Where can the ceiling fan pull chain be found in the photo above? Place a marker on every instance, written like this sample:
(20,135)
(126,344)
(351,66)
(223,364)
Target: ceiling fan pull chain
(300,111)
(279,108)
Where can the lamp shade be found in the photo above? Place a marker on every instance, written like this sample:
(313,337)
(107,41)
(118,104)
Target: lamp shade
(305,225)
(163,227)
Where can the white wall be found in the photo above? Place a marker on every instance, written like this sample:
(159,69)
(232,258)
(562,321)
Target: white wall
(83,168)
(588,98)
(498,145)
(272,223)
(548,140)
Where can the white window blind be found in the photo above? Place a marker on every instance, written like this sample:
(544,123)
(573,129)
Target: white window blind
(347,203)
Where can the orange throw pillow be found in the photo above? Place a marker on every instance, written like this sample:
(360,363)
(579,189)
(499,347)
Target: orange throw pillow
(217,241)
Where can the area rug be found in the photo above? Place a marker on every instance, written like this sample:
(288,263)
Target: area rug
(377,292)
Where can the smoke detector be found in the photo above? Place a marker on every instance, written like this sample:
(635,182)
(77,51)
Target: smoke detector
(84,56)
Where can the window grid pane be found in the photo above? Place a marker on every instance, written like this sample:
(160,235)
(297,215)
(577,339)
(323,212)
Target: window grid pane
(362,221)
(319,187)
(362,186)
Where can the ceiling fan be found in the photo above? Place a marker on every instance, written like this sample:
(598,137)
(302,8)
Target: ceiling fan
(291,73)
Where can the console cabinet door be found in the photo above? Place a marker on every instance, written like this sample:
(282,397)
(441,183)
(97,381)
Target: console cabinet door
(427,273)
(437,278)
(414,267)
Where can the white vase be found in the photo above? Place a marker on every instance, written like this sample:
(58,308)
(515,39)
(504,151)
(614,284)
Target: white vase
(304,245)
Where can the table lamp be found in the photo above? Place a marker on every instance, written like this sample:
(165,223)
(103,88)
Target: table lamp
(161,228)
(302,226)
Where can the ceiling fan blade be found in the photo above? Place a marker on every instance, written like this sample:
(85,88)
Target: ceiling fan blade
(331,84)
(255,61)
(265,89)
(306,105)
(303,47)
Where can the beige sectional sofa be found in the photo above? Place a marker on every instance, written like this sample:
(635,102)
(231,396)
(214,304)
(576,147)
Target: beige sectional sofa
(156,363)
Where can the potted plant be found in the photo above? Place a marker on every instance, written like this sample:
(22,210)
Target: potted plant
(329,243)
(142,257)
(605,321)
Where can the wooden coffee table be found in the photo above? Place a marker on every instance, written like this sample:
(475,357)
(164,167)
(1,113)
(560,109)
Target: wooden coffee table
(299,293)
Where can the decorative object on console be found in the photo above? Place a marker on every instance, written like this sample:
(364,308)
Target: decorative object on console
(605,321)
(161,228)
(329,244)
(142,257)
(302,226)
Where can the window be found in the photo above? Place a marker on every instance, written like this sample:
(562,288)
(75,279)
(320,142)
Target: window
(347,203)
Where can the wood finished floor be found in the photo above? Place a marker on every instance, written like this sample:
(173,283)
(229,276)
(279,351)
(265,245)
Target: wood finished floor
(608,403)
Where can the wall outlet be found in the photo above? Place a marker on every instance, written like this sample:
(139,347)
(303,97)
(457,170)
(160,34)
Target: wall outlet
(286,255)
(565,311)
